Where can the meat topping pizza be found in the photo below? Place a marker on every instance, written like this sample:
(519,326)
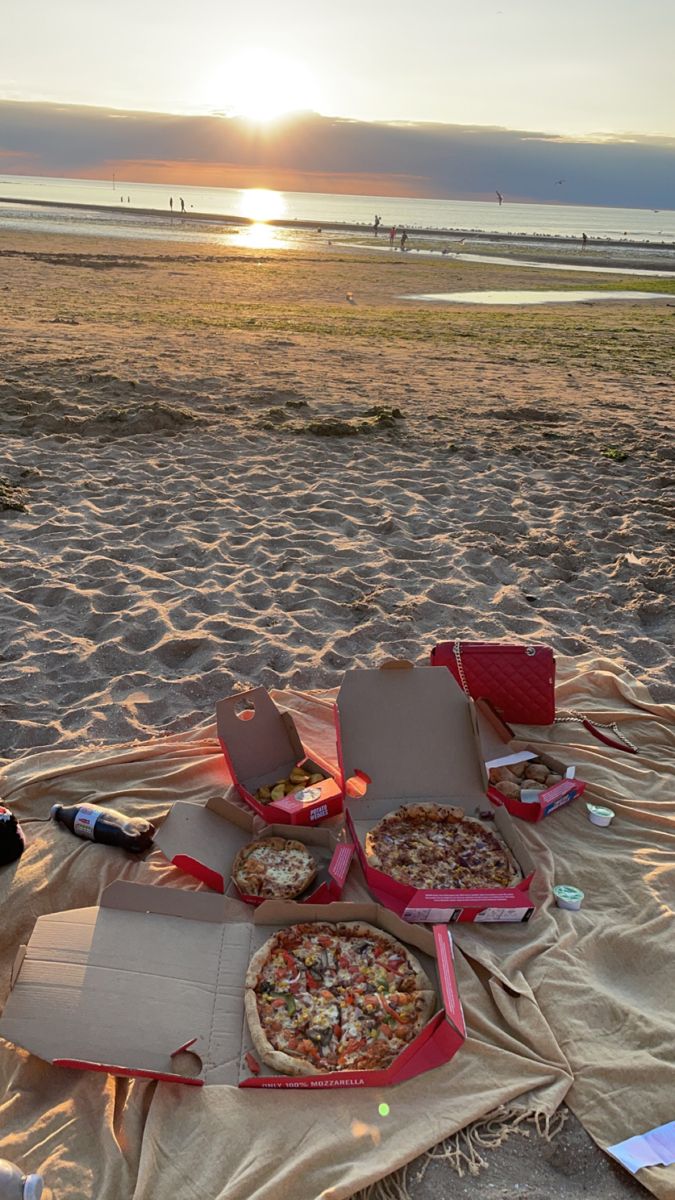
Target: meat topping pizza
(334,997)
(274,867)
(430,847)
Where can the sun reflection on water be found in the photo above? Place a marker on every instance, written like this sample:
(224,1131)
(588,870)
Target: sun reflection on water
(261,237)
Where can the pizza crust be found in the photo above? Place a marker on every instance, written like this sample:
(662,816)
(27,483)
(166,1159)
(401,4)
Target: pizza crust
(270,882)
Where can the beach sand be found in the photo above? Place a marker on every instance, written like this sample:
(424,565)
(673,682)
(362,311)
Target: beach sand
(244,467)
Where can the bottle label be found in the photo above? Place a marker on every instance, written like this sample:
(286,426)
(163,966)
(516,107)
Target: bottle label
(85,819)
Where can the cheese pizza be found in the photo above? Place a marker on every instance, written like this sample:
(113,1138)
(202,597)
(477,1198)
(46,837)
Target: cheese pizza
(274,867)
(328,997)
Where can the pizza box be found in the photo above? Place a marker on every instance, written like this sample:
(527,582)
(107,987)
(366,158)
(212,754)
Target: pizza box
(151,984)
(501,748)
(203,840)
(408,735)
(261,745)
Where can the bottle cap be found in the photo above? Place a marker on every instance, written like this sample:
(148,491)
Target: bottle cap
(55,810)
(599,815)
(32,1187)
(568,897)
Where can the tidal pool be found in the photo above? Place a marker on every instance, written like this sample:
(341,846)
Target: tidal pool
(543,297)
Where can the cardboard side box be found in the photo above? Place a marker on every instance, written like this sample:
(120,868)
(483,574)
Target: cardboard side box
(407,735)
(203,840)
(151,984)
(501,748)
(261,745)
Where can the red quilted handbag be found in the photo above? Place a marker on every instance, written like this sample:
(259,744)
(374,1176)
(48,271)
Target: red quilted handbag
(518,681)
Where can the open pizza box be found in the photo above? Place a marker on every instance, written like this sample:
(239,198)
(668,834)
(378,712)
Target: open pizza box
(203,840)
(501,748)
(407,735)
(261,745)
(151,984)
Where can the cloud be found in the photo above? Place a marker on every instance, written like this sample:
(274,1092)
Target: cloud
(308,152)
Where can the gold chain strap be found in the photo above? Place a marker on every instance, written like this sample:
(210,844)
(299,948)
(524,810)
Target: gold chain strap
(457,651)
(573,715)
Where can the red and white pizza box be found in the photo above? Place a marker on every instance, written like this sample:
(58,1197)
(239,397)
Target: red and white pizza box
(437,1043)
(150,984)
(204,839)
(501,747)
(261,745)
(407,735)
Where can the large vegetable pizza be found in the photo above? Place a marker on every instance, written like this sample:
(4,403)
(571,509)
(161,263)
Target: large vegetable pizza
(334,997)
(429,846)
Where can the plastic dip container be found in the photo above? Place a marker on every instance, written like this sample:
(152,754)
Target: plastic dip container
(568,897)
(599,815)
(531,795)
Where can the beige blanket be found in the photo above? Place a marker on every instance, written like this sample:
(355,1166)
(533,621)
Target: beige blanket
(574,1006)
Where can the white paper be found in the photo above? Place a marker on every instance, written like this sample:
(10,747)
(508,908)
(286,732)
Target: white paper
(431,915)
(656,1148)
(502,914)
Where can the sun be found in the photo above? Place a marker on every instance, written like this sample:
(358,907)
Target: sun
(261,204)
(263,85)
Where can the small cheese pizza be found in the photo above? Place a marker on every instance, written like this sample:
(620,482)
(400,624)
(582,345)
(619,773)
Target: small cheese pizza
(429,846)
(328,997)
(274,867)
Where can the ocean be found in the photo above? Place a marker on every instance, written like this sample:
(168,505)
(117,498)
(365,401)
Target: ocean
(124,209)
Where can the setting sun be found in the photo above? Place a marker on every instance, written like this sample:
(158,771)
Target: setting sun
(262,85)
(261,204)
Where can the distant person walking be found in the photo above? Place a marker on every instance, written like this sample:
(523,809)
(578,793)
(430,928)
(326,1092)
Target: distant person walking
(182,205)
(404,240)
(392,236)
(376,223)
(171,204)
(584,240)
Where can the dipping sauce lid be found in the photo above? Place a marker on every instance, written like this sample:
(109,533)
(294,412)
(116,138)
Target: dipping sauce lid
(568,897)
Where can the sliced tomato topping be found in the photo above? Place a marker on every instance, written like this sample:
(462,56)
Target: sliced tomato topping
(392,1011)
(304,1046)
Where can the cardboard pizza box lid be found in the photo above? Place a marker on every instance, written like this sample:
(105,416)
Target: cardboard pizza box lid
(258,738)
(149,982)
(497,740)
(410,732)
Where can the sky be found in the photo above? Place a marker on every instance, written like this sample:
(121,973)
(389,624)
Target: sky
(404,80)
(563,66)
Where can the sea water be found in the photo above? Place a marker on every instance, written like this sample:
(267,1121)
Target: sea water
(123,198)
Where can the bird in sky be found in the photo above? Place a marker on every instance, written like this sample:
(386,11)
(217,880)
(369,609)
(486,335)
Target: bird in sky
(560,180)
(499,196)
